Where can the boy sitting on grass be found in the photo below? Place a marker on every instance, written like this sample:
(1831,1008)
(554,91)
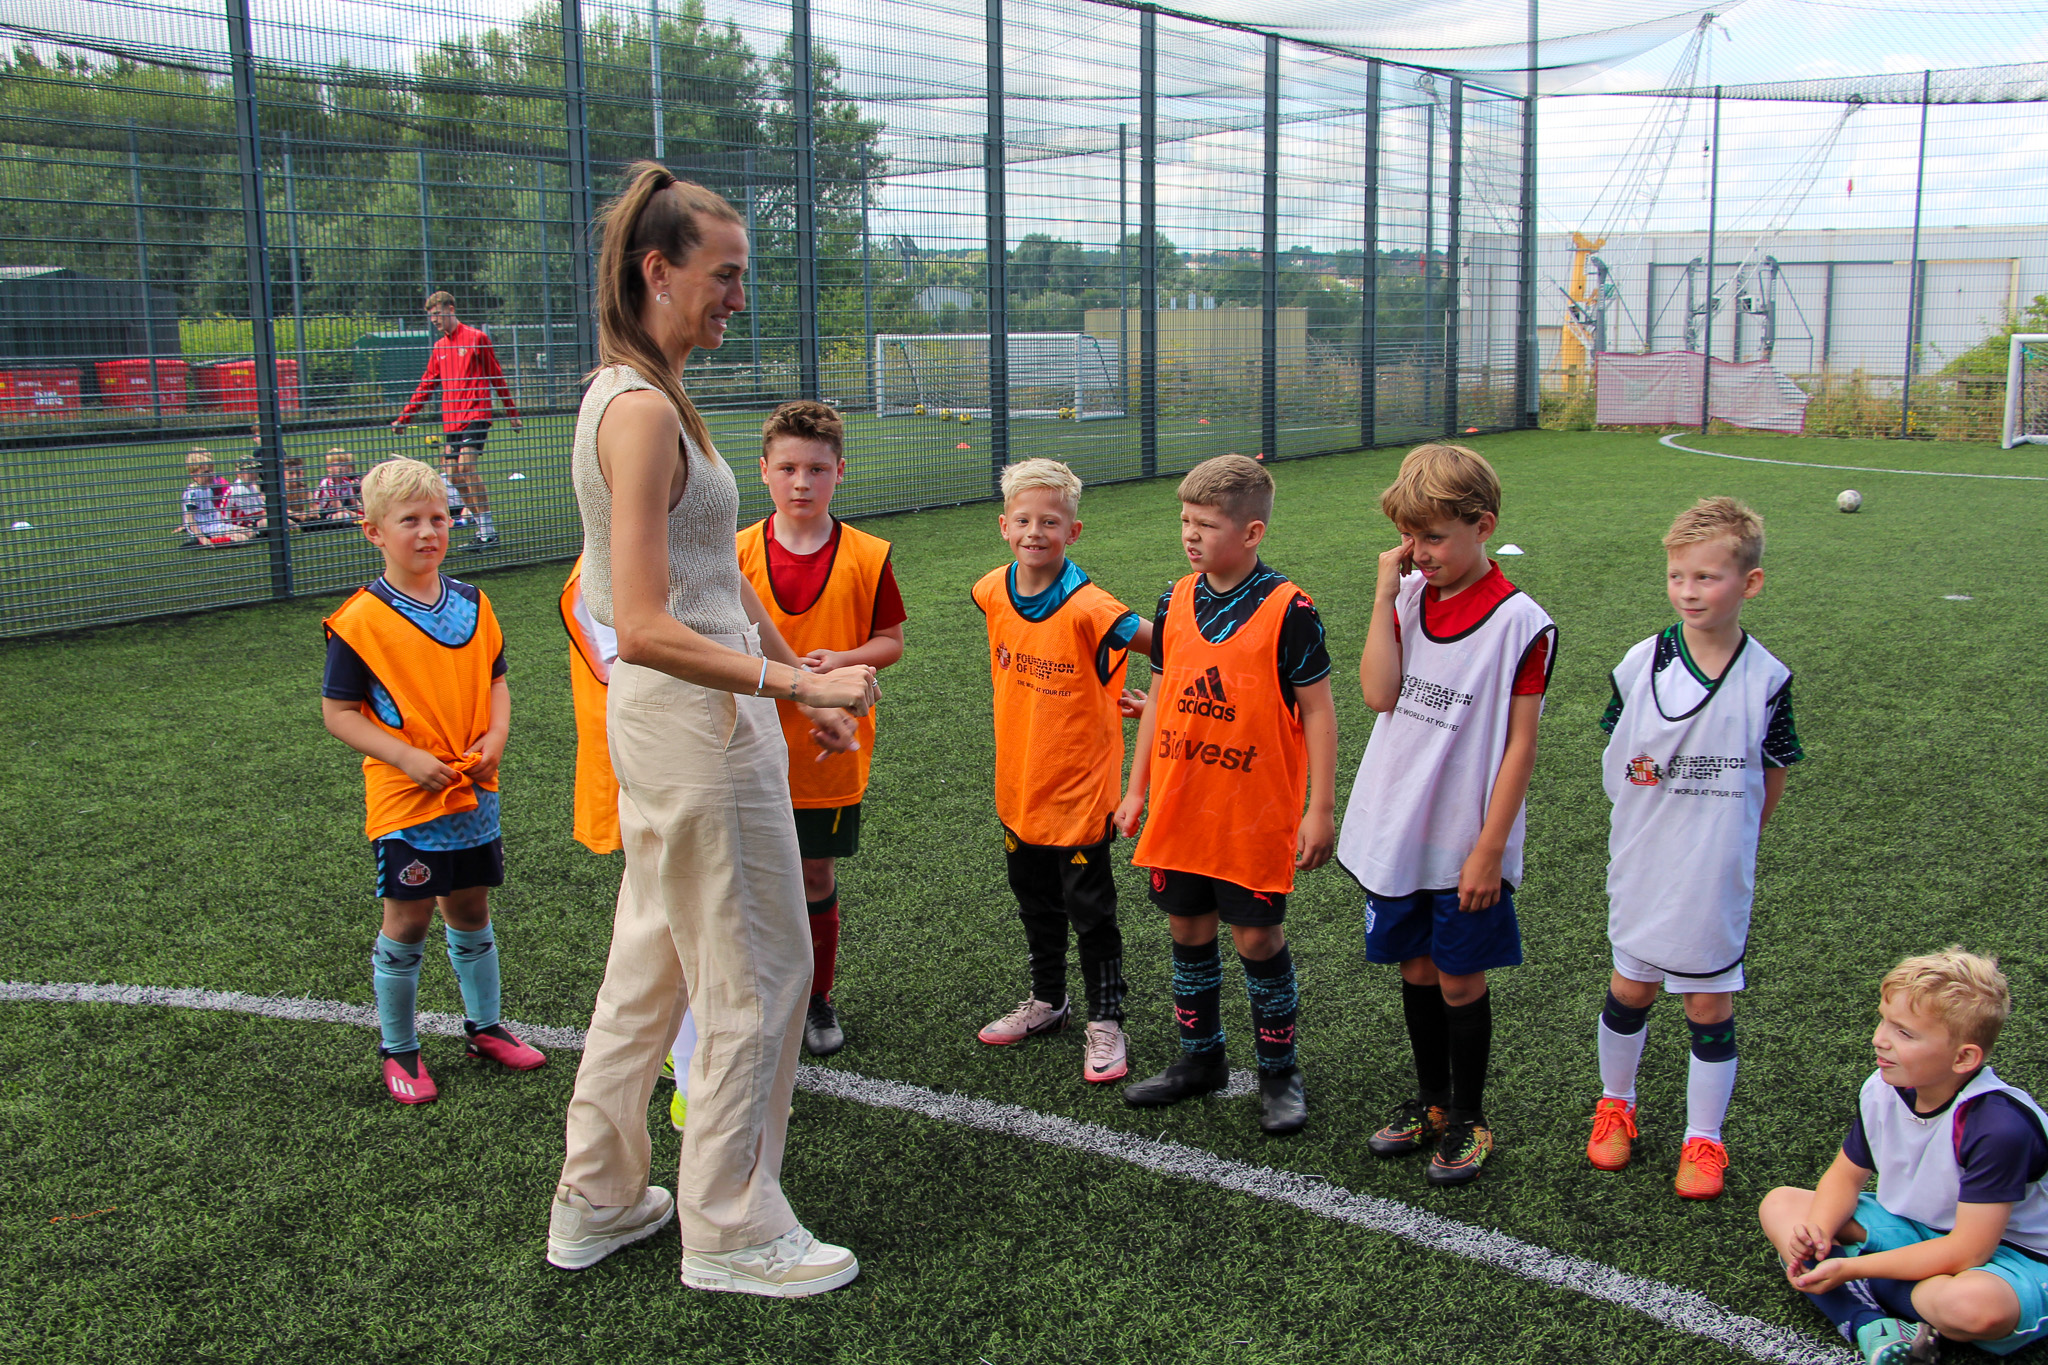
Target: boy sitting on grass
(1701,726)
(1057,648)
(1456,663)
(203,504)
(415,683)
(830,591)
(1955,1241)
(1238,734)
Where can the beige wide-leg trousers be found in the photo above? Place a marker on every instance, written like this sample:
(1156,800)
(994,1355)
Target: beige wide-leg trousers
(711,916)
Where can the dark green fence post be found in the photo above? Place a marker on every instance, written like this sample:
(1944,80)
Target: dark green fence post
(256,251)
(1528,397)
(1269,319)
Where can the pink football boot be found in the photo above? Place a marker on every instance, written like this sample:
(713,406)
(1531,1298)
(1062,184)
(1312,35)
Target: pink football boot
(406,1079)
(496,1044)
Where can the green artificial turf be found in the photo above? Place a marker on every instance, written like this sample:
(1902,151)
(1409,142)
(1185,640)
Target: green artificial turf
(172,813)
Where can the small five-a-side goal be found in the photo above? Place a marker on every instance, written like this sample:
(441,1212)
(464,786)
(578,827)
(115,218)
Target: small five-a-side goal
(2026,391)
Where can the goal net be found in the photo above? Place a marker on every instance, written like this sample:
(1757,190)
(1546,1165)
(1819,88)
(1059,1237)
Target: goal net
(2026,391)
(1052,374)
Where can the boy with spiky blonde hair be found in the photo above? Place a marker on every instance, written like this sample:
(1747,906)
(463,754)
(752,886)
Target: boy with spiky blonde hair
(1456,663)
(415,683)
(1236,757)
(1954,1243)
(1700,737)
(1057,647)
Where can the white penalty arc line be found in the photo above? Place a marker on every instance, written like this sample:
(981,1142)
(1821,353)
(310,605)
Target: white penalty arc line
(1679,1309)
(1671,442)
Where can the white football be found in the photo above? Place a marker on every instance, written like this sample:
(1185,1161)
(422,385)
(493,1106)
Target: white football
(1849,500)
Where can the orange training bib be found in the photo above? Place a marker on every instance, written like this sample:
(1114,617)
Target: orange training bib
(443,696)
(592,650)
(842,618)
(1059,735)
(1229,764)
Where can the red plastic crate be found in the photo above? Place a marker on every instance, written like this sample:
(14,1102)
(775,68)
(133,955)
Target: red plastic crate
(38,393)
(230,385)
(125,384)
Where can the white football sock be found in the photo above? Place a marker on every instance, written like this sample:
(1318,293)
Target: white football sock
(1707,1088)
(483,524)
(1620,1055)
(684,1049)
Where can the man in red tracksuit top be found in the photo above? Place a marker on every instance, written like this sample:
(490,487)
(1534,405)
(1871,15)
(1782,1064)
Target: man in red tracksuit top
(464,365)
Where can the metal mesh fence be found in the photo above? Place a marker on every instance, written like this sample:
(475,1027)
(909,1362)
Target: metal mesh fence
(1873,240)
(220,227)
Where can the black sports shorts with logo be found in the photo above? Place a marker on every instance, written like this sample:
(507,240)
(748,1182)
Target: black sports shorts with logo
(470,438)
(828,831)
(1191,893)
(405,873)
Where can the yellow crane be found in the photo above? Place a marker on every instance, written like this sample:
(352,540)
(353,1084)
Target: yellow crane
(1572,345)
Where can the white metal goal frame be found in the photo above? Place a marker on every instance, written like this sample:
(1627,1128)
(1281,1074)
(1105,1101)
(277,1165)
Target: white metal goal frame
(2026,391)
(1074,375)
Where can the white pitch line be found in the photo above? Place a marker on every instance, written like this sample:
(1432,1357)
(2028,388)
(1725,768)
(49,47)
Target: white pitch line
(1679,1309)
(1671,442)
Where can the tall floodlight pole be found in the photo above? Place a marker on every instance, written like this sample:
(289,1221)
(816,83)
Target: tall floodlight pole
(1713,222)
(547,287)
(1369,321)
(1269,309)
(998,258)
(1123,271)
(801,97)
(1914,275)
(867,280)
(1148,246)
(256,253)
(582,259)
(1528,371)
(291,232)
(1454,246)
(156,401)
(654,74)
(426,245)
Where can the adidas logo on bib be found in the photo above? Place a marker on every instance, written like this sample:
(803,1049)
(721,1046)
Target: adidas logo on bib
(1205,697)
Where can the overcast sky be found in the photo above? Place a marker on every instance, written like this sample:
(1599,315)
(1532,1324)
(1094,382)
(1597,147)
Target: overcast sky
(1070,71)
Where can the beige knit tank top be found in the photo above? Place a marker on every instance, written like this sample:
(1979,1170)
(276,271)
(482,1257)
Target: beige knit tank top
(703,564)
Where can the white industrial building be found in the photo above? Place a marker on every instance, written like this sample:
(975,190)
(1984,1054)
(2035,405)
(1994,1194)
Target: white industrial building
(1827,300)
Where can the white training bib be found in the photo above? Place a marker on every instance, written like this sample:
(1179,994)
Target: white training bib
(1420,799)
(1685,771)
(1917,1173)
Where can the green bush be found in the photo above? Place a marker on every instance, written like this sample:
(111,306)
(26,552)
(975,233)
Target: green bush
(330,362)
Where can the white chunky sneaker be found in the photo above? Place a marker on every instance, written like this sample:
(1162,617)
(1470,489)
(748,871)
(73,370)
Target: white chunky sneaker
(581,1234)
(792,1266)
(1028,1020)
(1107,1058)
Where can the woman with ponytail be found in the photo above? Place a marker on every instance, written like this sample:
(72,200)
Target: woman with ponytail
(711,910)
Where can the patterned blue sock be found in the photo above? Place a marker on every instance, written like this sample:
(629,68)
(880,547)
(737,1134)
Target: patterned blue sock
(395,974)
(474,955)
(1270,986)
(1198,997)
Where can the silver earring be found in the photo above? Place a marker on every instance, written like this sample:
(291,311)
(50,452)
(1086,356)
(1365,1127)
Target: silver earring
(661,299)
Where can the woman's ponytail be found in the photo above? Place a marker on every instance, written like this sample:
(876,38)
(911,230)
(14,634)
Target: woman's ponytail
(656,212)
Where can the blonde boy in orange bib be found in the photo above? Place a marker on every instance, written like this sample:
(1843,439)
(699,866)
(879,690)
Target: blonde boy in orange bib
(832,594)
(1238,733)
(415,683)
(1057,647)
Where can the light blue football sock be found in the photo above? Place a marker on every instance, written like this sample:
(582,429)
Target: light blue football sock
(395,974)
(474,955)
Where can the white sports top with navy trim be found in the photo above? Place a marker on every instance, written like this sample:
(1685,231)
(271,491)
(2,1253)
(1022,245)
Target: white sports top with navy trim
(1423,787)
(1918,1176)
(1685,770)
